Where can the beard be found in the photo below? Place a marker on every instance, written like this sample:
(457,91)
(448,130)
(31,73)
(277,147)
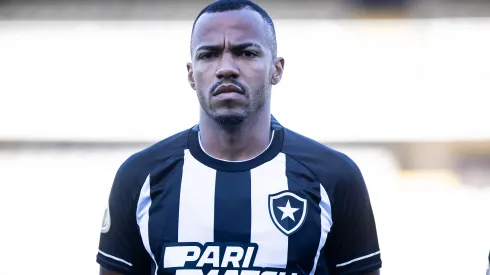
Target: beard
(231,121)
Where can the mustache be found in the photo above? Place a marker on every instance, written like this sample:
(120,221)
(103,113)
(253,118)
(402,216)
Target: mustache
(227,81)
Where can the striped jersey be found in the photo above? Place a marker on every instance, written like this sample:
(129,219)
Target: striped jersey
(298,208)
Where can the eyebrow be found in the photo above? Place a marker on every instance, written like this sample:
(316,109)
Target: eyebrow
(233,48)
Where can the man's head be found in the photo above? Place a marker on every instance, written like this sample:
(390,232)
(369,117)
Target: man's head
(234,61)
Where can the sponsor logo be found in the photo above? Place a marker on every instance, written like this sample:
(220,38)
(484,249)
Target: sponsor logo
(215,259)
(287,211)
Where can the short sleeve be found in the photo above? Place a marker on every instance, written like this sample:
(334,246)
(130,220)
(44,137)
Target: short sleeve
(352,245)
(120,245)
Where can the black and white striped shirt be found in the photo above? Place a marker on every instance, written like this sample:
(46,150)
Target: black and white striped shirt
(298,208)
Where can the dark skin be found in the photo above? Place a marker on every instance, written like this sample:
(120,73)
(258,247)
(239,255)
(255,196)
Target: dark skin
(231,54)
(105,271)
(233,48)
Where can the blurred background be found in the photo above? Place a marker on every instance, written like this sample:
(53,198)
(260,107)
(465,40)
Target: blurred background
(402,86)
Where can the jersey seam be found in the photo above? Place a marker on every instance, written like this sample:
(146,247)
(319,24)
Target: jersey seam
(315,176)
(306,167)
(332,201)
(135,196)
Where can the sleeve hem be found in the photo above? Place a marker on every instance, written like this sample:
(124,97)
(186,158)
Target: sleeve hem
(359,259)
(112,264)
(362,270)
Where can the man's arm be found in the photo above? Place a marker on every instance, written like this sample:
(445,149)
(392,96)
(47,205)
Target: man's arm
(104,271)
(121,249)
(488,269)
(352,244)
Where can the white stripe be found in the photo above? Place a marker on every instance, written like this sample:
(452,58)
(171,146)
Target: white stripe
(196,207)
(326,222)
(142,217)
(115,258)
(267,179)
(358,259)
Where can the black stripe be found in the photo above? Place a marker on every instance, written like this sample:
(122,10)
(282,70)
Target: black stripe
(165,195)
(303,244)
(232,210)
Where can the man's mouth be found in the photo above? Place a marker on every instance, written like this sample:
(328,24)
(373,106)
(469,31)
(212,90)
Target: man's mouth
(227,88)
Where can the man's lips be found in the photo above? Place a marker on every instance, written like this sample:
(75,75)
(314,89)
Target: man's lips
(227,88)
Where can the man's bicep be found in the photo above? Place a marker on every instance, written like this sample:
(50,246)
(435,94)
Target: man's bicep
(105,271)
(376,272)
(120,245)
(352,245)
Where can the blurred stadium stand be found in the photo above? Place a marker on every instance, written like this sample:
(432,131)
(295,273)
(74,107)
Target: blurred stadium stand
(400,86)
(279,9)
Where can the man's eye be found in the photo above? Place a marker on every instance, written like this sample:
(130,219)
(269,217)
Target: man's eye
(207,56)
(248,54)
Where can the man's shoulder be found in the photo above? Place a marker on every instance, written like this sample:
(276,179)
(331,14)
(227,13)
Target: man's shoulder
(139,165)
(164,148)
(322,160)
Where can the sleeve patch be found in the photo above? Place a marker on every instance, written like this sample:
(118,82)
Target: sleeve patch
(106,221)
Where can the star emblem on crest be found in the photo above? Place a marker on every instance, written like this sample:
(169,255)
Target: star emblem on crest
(288,211)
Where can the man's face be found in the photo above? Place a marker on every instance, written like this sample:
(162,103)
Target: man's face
(233,69)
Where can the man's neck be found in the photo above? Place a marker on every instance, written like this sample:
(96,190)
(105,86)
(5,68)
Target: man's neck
(247,142)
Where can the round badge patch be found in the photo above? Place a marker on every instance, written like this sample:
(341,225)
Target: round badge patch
(106,222)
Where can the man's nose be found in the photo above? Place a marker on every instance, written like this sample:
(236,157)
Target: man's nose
(227,67)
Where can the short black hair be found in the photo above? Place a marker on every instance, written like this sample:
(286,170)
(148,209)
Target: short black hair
(234,5)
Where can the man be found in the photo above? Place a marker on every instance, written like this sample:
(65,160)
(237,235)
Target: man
(488,269)
(238,193)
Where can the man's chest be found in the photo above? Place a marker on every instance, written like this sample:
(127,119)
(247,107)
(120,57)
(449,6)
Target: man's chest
(268,217)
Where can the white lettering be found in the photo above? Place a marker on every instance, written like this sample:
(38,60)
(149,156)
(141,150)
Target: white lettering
(209,256)
(189,272)
(231,272)
(218,257)
(177,256)
(233,259)
(248,257)
(250,272)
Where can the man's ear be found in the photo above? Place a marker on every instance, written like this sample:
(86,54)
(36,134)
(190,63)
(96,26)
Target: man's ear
(190,75)
(278,70)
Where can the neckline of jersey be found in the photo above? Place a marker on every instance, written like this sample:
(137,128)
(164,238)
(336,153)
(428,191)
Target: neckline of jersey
(274,148)
(234,161)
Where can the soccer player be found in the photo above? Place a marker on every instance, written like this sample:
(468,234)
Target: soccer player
(238,193)
(488,269)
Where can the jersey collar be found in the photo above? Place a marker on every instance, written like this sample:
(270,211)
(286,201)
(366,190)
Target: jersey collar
(268,154)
